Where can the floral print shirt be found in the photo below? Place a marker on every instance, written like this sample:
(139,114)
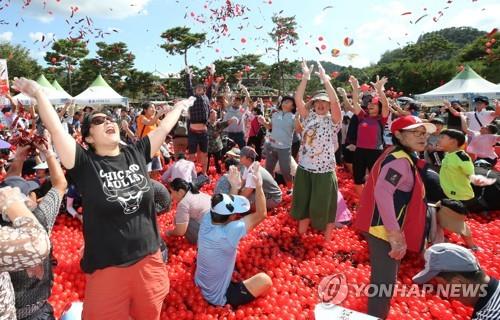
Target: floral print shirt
(319,138)
(24,245)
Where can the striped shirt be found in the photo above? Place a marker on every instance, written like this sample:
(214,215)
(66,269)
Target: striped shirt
(488,307)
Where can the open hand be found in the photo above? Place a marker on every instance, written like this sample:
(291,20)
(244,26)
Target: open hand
(234,177)
(354,83)
(256,176)
(380,83)
(26,86)
(306,71)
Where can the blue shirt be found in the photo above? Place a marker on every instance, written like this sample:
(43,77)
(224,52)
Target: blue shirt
(238,113)
(283,124)
(217,246)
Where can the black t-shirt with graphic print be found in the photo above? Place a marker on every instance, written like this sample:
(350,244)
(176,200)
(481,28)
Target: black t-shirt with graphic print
(118,201)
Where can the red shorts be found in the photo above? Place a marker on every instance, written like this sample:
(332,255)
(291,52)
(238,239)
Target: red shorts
(136,291)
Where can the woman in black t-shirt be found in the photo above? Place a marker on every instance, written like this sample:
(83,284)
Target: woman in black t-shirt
(126,276)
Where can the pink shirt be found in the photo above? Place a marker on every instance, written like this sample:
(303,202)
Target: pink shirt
(370,131)
(192,206)
(183,169)
(396,175)
(483,145)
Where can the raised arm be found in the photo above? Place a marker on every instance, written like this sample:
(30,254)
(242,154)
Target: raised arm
(379,88)
(157,136)
(57,177)
(453,111)
(254,219)
(189,82)
(13,103)
(299,93)
(355,94)
(332,95)
(345,100)
(64,143)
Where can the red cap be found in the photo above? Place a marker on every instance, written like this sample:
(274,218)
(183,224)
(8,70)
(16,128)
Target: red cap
(410,122)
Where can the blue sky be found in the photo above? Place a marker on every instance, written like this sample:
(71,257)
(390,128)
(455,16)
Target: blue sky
(375,26)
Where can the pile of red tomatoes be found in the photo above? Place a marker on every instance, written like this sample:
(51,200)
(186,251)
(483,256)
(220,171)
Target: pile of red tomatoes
(296,265)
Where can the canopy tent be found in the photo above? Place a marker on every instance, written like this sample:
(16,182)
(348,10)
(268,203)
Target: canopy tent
(464,87)
(100,93)
(58,87)
(54,96)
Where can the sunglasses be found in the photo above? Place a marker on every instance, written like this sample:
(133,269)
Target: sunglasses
(98,120)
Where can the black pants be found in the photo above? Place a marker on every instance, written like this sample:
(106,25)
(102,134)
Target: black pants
(218,158)
(384,272)
(45,313)
(256,142)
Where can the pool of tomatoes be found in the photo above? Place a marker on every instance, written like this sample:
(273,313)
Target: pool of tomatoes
(295,263)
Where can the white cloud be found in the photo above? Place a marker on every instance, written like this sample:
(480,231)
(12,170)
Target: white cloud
(6,36)
(111,9)
(320,18)
(40,36)
(474,17)
(38,55)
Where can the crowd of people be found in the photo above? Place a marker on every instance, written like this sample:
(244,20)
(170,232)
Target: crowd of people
(418,173)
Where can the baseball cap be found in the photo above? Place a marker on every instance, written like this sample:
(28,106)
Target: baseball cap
(25,186)
(446,257)
(231,204)
(41,166)
(321,96)
(248,152)
(411,122)
(234,152)
(482,99)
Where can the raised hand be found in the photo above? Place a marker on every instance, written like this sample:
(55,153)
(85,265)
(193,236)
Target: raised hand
(380,83)
(342,92)
(234,177)
(306,71)
(354,83)
(26,86)
(256,176)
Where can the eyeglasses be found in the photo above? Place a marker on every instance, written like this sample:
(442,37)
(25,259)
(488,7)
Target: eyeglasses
(417,133)
(98,120)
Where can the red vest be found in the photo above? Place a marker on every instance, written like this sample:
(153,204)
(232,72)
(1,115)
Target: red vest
(412,221)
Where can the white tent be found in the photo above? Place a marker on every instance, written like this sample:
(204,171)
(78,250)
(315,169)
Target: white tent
(100,93)
(58,87)
(464,86)
(54,96)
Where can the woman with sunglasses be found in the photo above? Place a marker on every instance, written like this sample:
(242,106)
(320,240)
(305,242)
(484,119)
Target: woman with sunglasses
(392,213)
(125,274)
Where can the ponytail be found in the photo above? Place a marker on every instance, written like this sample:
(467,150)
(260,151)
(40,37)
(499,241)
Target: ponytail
(181,184)
(193,188)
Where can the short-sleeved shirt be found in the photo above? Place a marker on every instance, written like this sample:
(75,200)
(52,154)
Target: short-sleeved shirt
(223,185)
(143,130)
(192,206)
(319,138)
(269,185)
(217,247)
(119,224)
(488,307)
(486,117)
(370,131)
(454,175)
(183,169)
(283,126)
(483,145)
(238,113)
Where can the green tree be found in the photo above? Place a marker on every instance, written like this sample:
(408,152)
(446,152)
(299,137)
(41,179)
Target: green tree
(283,33)
(19,61)
(460,36)
(140,84)
(179,40)
(66,56)
(433,47)
(113,61)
